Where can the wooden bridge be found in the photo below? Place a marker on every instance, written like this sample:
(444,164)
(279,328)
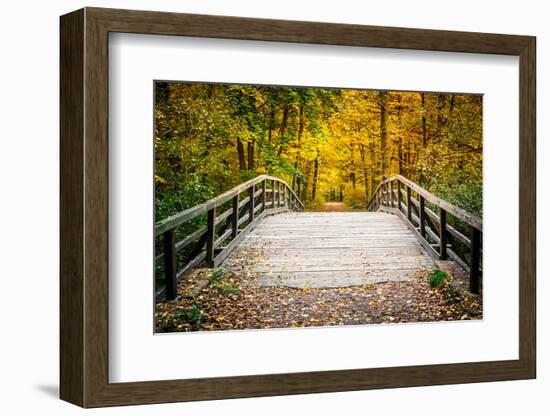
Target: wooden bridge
(405,230)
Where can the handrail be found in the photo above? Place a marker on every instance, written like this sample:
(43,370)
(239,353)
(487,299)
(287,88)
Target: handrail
(205,244)
(461,214)
(190,213)
(432,227)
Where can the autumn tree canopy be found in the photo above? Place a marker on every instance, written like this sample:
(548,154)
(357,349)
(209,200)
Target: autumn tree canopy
(328,143)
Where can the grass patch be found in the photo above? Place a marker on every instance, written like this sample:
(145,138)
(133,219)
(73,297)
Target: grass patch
(216,276)
(226,288)
(194,316)
(437,278)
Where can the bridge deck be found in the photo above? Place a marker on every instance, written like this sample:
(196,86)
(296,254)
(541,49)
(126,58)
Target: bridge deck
(330,249)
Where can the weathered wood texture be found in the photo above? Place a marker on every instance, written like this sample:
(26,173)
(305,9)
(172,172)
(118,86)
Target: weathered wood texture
(330,249)
(431,228)
(223,231)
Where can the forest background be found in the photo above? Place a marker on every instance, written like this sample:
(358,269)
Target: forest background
(329,144)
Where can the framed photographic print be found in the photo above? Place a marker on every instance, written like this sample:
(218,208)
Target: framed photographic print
(255,207)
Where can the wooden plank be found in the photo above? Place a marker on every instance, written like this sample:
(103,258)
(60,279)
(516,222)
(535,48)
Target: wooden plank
(257,194)
(422,217)
(220,257)
(181,217)
(459,213)
(243,219)
(442,234)
(409,203)
(458,235)
(257,208)
(475,247)
(170,264)
(235,217)
(399,196)
(222,238)
(264,194)
(273,193)
(251,204)
(210,236)
(222,217)
(180,245)
(244,202)
(458,260)
(432,235)
(429,249)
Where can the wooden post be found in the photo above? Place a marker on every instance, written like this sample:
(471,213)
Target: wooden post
(422,216)
(272,193)
(235,217)
(399,196)
(210,234)
(442,234)
(278,194)
(409,208)
(391,194)
(170,264)
(288,198)
(475,252)
(264,184)
(251,204)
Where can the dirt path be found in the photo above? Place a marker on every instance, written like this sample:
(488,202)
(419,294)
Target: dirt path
(333,206)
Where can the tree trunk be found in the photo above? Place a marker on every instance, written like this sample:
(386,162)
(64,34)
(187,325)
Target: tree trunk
(400,156)
(271,125)
(424,131)
(240,151)
(441,116)
(307,173)
(300,132)
(383,132)
(315,176)
(352,164)
(362,152)
(250,152)
(282,130)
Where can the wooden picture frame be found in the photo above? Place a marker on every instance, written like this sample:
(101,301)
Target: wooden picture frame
(84,207)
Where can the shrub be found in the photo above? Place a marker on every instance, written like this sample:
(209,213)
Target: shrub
(437,278)
(194,316)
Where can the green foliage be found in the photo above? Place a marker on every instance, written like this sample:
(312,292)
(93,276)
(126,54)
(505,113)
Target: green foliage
(227,288)
(216,276)
(437,278)
(211,137)
(195,316)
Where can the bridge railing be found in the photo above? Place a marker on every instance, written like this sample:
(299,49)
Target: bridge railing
(429,216)
(241,209)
